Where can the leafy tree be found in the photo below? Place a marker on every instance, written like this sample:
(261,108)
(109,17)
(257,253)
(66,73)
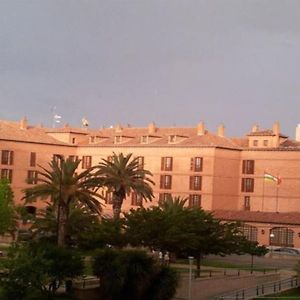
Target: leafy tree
(64,186)
(35,271)
(183,231)
(7,211)
(132,274)
(121,175)
(254,249)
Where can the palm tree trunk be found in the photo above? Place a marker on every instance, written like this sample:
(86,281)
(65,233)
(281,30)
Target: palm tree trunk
(62,225)
(117,204)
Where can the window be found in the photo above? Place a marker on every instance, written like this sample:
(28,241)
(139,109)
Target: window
(282,236)
(108,198)
(73,158)
(32,177)
(136,199)
(266,143)
(7,157)
(195,183)
(86,162)
(31,210)
(196,164)
(195,200)
(92,139)
(140,160)
(247,203)
(165,181)
(118,139)
(172,138)
(255,143)
(166,163)
(6,173)
(144,139)
(248,167)
(249,232)
(163,197)
(57,157)
(73,140)
(248,185)
(32,159)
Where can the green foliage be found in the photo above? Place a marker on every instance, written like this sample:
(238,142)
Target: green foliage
(7,214)
(35,271)
(65,187)
(121,175)
(183,231)
(132,274)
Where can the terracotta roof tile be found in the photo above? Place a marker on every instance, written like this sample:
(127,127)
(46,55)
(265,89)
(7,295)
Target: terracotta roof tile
(11,131)
(257,216)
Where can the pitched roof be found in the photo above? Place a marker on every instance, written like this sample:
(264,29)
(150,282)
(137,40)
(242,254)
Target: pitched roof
(11,131)
(288,218)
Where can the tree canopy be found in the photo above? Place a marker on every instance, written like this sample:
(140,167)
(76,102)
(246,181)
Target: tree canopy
(7,211)
(65,186)
(122,174)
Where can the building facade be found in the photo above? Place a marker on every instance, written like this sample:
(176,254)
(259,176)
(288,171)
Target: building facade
(220,174)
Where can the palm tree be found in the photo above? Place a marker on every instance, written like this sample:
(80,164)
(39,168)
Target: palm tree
(173,204)
(64,186)
(121,175)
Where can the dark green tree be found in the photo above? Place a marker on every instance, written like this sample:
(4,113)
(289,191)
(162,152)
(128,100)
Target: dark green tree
(254,249)
(7,210)
(123,174)
(183,231)
(65,186)
(37,270)
(132,274)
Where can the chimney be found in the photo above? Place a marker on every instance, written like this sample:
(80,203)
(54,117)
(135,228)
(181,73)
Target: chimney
(200,128)
(23,123)
(152,128)
(298,133)
(255,128)
(276,128)
(221,130)
(118,128)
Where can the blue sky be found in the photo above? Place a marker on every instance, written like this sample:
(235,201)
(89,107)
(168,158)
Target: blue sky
(173,62)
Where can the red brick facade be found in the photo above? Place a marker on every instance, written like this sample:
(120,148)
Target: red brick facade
(215,172)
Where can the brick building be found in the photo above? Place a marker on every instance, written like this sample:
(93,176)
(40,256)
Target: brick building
(220,174)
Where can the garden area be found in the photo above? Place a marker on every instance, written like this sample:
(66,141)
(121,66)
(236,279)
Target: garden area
(134,255)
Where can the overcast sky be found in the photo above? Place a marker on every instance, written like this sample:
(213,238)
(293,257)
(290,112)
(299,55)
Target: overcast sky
(174,62)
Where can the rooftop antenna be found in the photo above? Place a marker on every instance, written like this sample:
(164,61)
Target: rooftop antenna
(55,117)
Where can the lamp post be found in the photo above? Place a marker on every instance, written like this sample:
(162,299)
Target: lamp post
(191,258)
(272,235)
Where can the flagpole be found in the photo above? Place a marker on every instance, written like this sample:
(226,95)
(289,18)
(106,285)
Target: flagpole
(263,193)
(277,188)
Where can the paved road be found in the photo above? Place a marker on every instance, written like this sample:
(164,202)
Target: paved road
(278,261)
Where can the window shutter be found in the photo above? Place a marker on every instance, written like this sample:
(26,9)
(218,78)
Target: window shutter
(243,184)
(244,167)
(191,182)
(161,181)
(162,163)
(192,164)
(171,164)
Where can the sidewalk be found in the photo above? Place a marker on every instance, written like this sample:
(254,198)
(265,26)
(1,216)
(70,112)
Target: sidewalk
(206,288)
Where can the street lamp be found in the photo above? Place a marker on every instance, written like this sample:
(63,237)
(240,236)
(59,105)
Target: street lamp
(272,235)
(191,258)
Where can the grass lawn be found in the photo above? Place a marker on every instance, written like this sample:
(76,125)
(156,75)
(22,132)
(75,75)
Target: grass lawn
(226,265)
(288,295)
